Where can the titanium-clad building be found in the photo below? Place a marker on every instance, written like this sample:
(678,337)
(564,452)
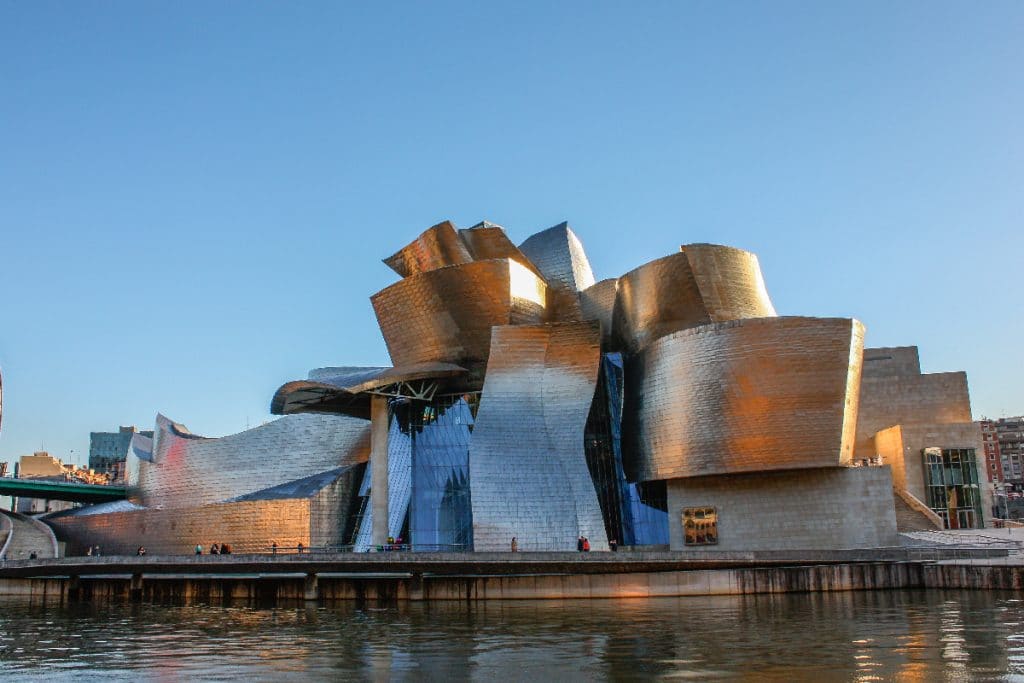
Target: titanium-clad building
(671,406)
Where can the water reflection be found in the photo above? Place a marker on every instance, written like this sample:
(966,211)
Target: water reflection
(864,636)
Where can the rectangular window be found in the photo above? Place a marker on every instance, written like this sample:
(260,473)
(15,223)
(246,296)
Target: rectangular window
(951,486)
(700,526)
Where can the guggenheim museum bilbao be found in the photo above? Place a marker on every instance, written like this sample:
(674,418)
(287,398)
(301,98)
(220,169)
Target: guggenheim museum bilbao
(670,406)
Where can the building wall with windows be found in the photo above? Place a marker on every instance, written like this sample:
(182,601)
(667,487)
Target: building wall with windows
(108,451)
(1010,434)
(993,462)
(903,448)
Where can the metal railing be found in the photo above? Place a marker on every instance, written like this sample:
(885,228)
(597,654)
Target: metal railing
(382,548)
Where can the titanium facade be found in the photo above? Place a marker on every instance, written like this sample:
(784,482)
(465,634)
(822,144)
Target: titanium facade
(447,314)
(189,470)
(527,462)
(528,400)
(744,396)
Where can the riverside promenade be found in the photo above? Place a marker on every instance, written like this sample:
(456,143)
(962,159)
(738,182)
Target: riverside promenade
(391,576)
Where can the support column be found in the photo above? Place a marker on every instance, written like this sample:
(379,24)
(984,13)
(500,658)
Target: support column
(379,469)
(135,590)
(312,588)
(74,588)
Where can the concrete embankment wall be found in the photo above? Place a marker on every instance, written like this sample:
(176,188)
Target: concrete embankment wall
(821,578)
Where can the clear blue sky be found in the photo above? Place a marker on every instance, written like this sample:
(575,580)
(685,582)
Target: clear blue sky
(195,197)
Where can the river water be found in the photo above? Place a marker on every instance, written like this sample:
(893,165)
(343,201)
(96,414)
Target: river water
(864,636)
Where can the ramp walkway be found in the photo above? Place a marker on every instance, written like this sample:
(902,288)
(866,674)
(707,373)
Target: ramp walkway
(26,536)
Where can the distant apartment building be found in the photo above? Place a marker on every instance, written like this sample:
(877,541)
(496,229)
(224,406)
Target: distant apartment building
(1010,437)
(42,465)
(108,451)
(993,461)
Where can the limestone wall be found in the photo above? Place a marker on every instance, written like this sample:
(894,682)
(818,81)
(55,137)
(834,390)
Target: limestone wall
(828,508)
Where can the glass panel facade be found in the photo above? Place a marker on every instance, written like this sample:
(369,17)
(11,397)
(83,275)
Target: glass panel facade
(428,476)
(441,516)
(634,514)
(951,486)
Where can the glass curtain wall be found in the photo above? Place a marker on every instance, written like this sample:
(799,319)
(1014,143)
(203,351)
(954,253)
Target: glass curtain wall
(634,514)
(440,516)
(951,486)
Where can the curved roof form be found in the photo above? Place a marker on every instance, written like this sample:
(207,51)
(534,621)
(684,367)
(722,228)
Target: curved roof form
(560,256)
(344,389)
(189,470)
(730,282)
(446,315)
(701,284)
(488,241)
(436,247)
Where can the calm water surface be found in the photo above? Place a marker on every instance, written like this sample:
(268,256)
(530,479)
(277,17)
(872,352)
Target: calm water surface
(866,636)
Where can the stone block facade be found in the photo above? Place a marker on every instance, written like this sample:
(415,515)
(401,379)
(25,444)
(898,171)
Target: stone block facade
(828,508)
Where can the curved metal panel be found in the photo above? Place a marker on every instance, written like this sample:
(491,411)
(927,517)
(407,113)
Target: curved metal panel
(559,255)
(436,247)
(341,389)
(703,283)
(656,299)
(489,241)
(188,470)
(446,315)
(597,302)
(730,282)
(743,396)
(313,513)
(528,470)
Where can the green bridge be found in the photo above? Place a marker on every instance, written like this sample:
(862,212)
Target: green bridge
(59,490)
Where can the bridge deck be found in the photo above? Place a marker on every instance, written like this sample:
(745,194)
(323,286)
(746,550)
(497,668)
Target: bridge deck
(57,490)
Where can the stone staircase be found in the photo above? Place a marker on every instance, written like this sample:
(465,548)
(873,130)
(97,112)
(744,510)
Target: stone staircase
(909,519)
(26,536)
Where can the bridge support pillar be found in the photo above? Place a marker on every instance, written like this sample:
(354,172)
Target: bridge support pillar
(74,588)
(312,588)
(135,590)
(415,586)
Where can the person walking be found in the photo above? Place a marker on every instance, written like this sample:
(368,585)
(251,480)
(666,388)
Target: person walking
(273,548)
(586,544)
(215,549)
(515,545)
(199,549)
(613,545)
(301,547)
(579,544)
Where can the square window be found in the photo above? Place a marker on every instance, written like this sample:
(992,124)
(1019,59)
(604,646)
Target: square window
(700,526)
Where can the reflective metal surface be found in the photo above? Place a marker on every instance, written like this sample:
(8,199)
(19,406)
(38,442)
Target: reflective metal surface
(743,396)
(343,390)
(436,247)
(447,315)
(528,471)
(597,302)
(703,283)
(559,255)
(250,525)
(729,281)
(288,481)
(189,470)
(489,241)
